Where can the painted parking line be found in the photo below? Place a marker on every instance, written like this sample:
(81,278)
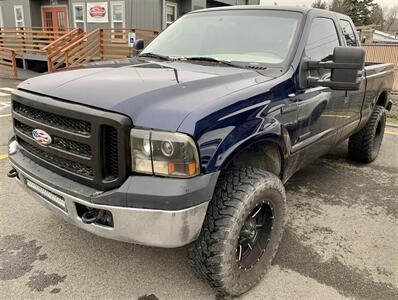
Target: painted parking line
(391,133)
(3,156)
(4,104)
(4,94)
(7,89)
(5,116)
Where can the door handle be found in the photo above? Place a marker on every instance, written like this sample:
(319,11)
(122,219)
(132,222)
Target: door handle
(293,98)
(291,105)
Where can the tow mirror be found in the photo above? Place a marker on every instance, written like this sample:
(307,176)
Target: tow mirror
(346,67)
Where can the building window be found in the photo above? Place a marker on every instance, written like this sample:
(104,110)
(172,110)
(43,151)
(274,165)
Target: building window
(79,16)
(19,18)
(117,14)
(171,13)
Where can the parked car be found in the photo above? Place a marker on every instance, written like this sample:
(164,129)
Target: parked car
(192,141)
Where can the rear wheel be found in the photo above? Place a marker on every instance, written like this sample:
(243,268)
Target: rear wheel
(242,230)
(364,146)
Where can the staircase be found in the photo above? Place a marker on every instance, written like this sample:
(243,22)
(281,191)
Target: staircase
(55,58)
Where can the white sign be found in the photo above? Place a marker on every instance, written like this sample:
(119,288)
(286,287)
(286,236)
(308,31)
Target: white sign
(97,12)
(132,39)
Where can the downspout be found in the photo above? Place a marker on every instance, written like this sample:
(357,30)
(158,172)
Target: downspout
(70,12)
(163,22)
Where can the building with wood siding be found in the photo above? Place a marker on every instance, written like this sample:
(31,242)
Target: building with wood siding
(91,14)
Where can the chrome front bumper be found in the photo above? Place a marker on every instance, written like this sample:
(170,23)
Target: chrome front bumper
(159,228)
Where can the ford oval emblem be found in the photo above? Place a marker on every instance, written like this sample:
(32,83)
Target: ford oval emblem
(42,137)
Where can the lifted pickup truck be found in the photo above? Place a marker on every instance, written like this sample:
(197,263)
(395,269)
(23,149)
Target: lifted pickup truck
(191,141)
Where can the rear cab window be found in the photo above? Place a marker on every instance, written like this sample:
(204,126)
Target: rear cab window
(348,33)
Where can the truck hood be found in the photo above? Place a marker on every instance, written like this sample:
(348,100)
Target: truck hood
(153,95)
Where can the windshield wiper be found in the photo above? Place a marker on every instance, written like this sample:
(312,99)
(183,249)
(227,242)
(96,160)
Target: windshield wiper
(210,59)
(154,55)
(224,62)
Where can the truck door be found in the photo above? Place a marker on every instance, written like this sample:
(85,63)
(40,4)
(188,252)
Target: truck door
(317,106)
(350,109)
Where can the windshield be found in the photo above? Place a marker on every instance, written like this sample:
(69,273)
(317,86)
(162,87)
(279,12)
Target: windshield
(249,36)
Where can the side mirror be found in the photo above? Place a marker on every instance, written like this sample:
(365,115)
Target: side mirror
(139,45)
(346,67)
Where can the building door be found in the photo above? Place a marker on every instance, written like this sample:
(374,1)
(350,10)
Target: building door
(55,18)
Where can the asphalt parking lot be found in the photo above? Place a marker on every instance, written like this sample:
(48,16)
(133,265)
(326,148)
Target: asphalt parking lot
(341,241)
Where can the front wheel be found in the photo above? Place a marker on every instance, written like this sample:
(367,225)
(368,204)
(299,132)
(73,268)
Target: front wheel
(242,230)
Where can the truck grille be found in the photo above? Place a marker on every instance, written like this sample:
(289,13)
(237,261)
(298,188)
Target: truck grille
(89,146)
(58,142)
(62,163)
(70,124)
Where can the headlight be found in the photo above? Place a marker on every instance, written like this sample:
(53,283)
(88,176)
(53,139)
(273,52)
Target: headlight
(163,153)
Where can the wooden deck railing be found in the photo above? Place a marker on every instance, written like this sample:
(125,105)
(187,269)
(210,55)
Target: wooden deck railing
(116,44)
(28,40)
(8,65)
(383,53)
(72,46)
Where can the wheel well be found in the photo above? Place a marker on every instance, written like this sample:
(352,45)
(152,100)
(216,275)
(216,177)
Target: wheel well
(262,155)
(382,100)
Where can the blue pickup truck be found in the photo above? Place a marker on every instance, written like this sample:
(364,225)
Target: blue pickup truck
(191,141)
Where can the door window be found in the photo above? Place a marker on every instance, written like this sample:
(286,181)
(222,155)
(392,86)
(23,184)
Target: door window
(171,13)
(348,33)
(49,19)
(322,40)
(61,20)
(19,17)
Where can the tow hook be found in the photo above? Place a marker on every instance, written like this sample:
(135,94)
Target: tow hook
(92,215)
(12,173)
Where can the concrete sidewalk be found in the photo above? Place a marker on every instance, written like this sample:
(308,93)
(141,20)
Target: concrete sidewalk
(21,75)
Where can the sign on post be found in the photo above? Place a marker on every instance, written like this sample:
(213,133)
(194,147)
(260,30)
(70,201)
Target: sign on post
(132,39)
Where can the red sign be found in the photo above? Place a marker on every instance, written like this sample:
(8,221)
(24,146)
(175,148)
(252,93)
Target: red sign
(97,11)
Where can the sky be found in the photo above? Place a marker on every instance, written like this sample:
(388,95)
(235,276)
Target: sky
(383,3)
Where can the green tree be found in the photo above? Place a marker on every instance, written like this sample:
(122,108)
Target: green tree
(340,6)
(359,10)
(319,4)
(391,17)
(377,16)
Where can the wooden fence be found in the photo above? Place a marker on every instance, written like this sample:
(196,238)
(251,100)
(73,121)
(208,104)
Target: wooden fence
(8,66)
(384,53)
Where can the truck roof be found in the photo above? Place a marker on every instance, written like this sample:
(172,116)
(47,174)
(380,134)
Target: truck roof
(300,9)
